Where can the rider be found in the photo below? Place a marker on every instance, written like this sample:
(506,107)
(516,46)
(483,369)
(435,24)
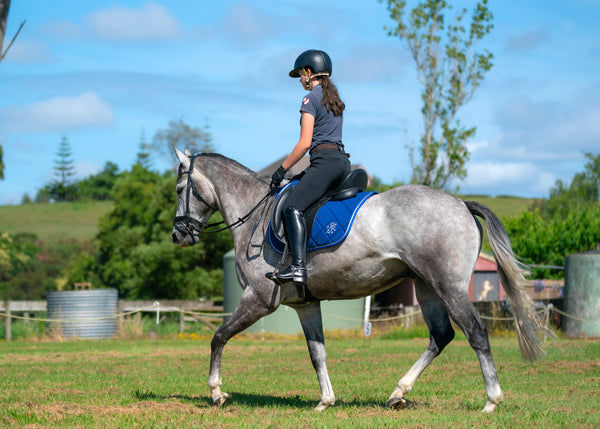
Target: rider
(321,136)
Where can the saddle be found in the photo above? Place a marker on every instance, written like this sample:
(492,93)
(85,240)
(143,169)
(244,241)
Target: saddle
(351,186)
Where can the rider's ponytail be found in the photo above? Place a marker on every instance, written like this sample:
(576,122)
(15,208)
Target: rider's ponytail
(331,98)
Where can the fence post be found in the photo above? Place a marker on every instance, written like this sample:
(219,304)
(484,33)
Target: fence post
(8,332)
(181,322)
(121,318)
(548,310)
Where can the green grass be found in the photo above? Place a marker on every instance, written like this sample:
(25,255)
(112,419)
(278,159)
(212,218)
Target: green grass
(162,383)
(55,222)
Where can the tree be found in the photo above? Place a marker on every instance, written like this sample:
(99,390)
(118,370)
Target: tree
(99,186)
(181,135)
(135,253)
(4,7)
(62,188)
(583,190)
(565,223)
(450,70)
(143,155)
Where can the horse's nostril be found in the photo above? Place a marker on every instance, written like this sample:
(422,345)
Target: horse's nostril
(174,237)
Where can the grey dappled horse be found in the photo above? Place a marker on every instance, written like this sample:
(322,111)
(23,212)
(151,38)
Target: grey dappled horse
(407,232)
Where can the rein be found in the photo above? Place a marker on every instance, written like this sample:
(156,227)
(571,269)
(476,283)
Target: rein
(186,224)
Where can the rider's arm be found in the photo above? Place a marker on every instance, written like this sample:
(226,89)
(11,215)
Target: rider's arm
(307,125)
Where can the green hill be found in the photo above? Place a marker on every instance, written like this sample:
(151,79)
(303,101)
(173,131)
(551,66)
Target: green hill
(55,222)
(503,207)
(79,220)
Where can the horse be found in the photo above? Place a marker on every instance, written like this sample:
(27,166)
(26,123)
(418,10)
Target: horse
(410,231)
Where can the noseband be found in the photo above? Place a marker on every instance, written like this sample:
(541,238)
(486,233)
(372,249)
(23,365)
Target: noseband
(186,224)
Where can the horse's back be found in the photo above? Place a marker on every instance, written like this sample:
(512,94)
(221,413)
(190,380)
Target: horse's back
(405,231)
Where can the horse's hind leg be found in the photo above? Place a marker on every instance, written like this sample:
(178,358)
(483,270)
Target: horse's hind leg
(440,334)
(463,313)
(249,310)
(312,325)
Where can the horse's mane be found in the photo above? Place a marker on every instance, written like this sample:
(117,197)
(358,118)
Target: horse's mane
(229,161)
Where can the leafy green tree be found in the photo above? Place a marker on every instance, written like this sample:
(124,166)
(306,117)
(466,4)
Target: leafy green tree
(181,135)
(450,70)
(99,186)
(13,259)
(583,190)
(565,223)
(135,253)
(546,241)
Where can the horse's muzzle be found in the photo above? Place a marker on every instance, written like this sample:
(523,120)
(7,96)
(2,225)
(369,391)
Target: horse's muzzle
(186,230)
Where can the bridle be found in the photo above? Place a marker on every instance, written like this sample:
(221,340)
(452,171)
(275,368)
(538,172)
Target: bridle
(186,224)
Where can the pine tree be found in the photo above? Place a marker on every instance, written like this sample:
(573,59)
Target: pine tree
(63,188)
(143,155)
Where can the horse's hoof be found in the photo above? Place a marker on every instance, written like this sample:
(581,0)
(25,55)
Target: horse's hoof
(489,408)
(397,403)
(221,401)
(322,406)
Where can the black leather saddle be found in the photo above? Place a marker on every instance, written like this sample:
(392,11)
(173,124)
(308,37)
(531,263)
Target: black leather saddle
(354,183)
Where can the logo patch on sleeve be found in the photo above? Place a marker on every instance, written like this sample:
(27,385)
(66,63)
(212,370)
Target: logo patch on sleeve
(305,100)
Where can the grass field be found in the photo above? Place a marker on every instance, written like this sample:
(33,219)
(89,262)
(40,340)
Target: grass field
(504,207)
(162,383)
(55,222)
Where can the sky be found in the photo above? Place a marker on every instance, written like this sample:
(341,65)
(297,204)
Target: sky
(107,74)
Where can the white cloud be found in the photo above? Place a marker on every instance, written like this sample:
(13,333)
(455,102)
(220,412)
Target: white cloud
(152,22)
(58,114)
(492,174)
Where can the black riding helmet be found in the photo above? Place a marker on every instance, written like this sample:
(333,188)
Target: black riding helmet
(318,61)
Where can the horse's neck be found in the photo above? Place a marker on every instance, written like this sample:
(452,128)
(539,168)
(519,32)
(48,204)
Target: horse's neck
(238,191)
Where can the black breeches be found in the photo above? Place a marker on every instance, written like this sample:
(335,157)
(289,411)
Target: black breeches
(326,171)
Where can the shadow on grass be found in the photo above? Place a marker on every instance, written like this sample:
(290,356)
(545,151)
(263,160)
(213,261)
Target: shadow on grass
(254,400)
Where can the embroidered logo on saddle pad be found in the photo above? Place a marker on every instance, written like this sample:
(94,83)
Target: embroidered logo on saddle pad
(331,225)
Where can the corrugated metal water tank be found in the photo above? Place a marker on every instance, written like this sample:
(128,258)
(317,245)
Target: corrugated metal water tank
(582,294)
(79,311)
(344,315)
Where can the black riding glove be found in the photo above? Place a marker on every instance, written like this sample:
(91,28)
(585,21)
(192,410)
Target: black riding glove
(278,176)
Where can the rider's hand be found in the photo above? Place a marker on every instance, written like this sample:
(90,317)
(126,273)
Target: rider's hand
(278,176)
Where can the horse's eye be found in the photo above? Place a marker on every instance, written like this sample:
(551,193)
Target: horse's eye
(179,190)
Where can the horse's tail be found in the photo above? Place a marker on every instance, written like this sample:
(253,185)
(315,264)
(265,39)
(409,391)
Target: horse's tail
(529,323)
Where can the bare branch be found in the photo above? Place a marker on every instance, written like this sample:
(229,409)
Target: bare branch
(12,41)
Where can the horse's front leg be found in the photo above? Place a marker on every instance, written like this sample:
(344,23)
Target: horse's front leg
(312,324)
(250,309)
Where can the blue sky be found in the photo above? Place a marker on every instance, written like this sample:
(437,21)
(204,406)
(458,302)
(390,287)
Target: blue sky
(102,73)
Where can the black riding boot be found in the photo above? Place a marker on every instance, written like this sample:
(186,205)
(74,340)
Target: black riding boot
(296,229)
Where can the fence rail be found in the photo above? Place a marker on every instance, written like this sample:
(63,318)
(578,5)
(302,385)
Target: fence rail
(198,311)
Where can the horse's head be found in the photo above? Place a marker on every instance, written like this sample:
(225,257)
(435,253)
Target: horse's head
(195,201)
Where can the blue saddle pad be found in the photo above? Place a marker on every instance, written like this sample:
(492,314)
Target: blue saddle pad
(331,225)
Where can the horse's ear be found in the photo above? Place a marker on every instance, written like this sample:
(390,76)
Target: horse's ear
(181,156)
